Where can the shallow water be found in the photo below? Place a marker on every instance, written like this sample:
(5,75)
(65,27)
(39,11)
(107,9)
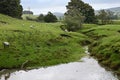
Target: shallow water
(88,69)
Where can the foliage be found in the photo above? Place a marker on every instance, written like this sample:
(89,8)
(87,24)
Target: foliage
(106,16)
(50,17)
(85,9)
(11,8)
(40,18)
(73,20)
(27,12)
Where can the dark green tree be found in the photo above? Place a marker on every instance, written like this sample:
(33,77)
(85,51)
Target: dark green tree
(41,18)
(50,17)
(83,8)
(11,8)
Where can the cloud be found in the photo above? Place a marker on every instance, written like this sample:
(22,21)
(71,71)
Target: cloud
(102,1)
(103,4)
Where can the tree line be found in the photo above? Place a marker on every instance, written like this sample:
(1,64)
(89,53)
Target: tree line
(106,17)
(49,17)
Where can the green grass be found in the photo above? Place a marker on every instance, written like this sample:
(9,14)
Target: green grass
(106,44)
(30,16)
(43,45)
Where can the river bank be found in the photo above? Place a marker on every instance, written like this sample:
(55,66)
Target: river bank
(105,45)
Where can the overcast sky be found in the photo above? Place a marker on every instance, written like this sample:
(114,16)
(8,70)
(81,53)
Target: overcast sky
(43,6)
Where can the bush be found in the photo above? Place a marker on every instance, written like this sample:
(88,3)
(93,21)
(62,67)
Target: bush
(73,20)
(50,18)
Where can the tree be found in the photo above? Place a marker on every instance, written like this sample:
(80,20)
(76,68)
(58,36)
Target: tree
(11,8)
(111,15)
(73,20)
(41,18)
(83,8)
(102,15)
(50,17)
(106,16)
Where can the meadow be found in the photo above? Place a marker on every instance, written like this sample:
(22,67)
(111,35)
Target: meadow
(34,44)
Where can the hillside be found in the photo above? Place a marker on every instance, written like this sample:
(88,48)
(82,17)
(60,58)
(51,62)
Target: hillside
(106,44)
(58,14)
(116,10)
(35,44)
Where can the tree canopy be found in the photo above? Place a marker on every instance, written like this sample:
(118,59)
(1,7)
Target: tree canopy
(85,9)
(106,16)
(73,20)
(41,18)
(50,17)
(11,8)
(77,13)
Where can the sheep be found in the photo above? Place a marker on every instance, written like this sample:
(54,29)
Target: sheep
(7,76)
(6,44)
(23,24)
(66,30)
(31,26)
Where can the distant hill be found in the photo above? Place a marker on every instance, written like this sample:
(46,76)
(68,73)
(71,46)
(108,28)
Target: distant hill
(116,10)
(58,14)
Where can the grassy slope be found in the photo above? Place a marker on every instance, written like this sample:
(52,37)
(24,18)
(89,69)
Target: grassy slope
(30,16)
(106,44)
(43,45)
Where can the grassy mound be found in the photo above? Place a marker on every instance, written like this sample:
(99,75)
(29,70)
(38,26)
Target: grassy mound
(106,45)
(35,44)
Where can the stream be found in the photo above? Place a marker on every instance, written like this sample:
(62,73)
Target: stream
(85,69)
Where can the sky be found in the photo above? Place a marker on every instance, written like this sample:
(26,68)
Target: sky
(43,6)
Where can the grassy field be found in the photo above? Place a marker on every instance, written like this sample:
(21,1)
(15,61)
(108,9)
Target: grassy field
(35,44)
(106,44)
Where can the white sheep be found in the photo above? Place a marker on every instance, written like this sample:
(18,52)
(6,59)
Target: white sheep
(66,30)
(31,26)
(6,44)
(23,24)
